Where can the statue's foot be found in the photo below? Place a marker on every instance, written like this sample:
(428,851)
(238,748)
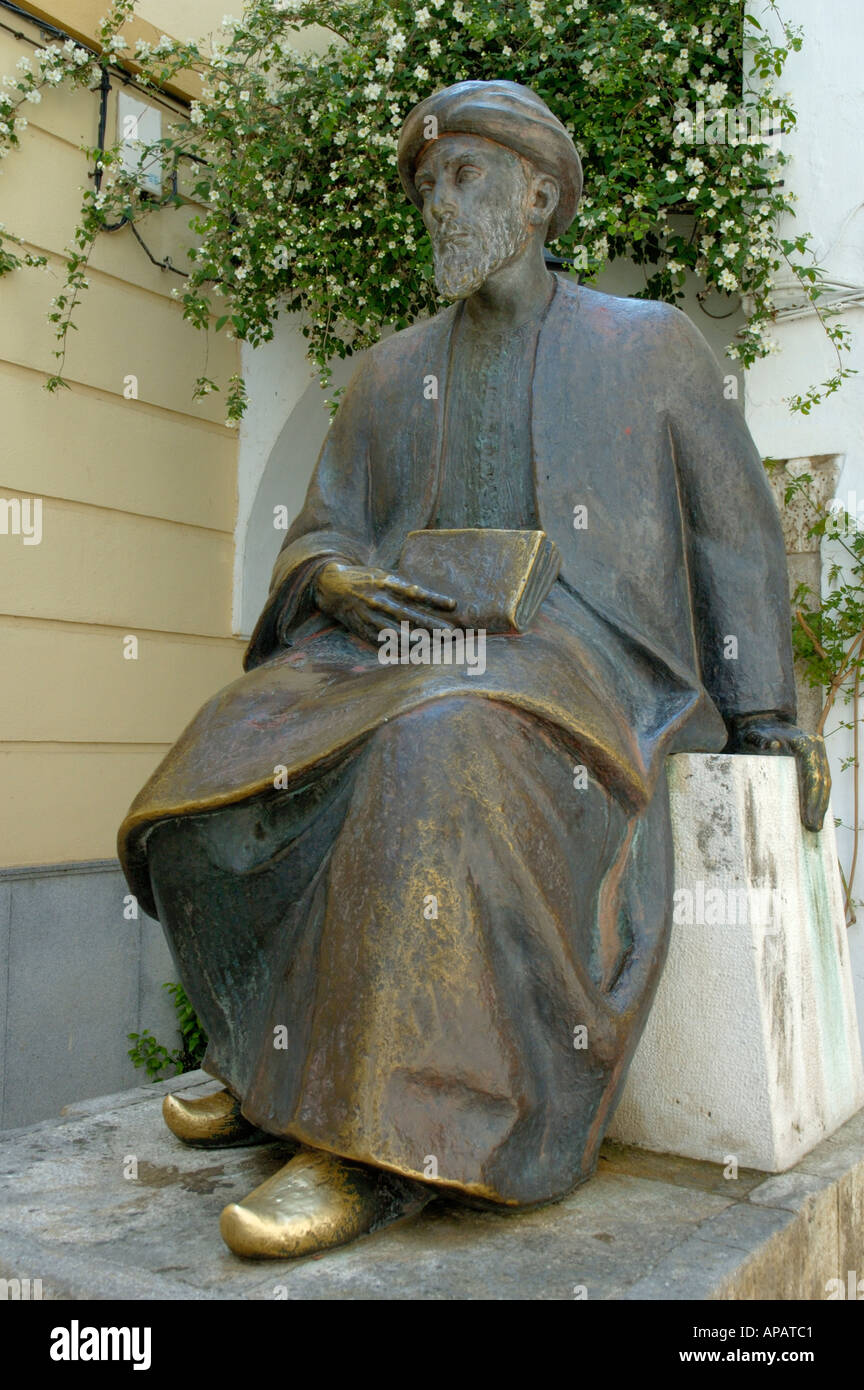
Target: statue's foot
(315,1202)
(211,1122)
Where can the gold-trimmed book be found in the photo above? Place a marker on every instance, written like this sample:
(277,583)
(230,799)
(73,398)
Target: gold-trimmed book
(498,578)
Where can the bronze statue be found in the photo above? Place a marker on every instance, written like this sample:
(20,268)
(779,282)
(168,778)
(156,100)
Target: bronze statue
(398,893)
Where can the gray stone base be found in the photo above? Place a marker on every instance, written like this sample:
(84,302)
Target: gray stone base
(74,1214)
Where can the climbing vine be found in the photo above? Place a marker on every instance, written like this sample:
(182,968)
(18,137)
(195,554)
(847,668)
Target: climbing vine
(828,632)
(287,162)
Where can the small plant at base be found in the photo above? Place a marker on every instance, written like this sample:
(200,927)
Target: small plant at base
(155,1058)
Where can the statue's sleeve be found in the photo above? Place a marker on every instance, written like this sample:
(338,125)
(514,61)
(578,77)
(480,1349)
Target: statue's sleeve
(334,522)
(733,535)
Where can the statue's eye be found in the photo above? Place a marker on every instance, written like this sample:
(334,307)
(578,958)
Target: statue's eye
(466,173)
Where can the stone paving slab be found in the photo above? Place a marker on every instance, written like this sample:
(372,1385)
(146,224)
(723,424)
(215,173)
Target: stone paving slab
(105,1203)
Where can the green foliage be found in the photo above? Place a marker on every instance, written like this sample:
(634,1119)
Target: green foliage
(293,156)
(828,630)
(147,1052)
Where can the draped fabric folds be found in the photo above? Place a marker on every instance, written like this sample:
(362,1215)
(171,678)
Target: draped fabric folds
(422,910)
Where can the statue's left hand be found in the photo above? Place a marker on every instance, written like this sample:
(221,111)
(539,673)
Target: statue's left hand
(770,733)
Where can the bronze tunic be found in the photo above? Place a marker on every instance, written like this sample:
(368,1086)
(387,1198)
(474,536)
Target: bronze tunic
(423,919)
(487,475)
(465,872)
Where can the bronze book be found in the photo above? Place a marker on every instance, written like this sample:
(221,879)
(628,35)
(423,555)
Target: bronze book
(498,578)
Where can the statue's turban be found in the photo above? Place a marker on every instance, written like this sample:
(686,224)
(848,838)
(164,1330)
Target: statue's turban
(508,113)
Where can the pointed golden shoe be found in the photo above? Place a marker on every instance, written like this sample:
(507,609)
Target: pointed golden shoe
(210,1122)
(315,1202)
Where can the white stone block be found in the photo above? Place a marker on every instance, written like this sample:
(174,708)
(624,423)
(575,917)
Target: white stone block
(751,1050)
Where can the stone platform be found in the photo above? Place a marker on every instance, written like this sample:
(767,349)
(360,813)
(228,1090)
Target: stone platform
(104,1203)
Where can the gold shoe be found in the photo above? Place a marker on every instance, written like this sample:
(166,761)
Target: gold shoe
(211,1122)
(316,1202)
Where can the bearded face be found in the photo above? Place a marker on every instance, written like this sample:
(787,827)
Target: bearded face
(475,200)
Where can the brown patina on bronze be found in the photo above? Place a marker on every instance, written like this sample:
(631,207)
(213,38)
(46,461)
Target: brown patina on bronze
(401,897)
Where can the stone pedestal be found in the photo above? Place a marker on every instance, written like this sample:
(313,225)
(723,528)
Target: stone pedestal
(751,1052)
(104,1203)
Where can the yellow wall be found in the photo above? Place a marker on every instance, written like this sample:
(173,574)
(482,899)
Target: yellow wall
(139,496)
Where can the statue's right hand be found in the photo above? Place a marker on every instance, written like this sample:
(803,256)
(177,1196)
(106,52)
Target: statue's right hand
(367,600)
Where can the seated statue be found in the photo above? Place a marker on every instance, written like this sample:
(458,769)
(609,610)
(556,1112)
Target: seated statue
(421,908)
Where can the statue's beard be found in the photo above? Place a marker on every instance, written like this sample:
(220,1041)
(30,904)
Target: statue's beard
(465,256)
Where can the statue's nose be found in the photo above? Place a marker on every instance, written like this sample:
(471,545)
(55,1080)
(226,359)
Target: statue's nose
(442,206)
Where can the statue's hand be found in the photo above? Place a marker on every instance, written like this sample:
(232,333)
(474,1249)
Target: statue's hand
(769,733)
(367,600)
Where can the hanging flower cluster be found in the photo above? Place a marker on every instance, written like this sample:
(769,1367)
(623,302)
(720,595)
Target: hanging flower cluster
(674,108)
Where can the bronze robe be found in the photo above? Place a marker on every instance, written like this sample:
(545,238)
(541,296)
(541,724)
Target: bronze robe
(394,957)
